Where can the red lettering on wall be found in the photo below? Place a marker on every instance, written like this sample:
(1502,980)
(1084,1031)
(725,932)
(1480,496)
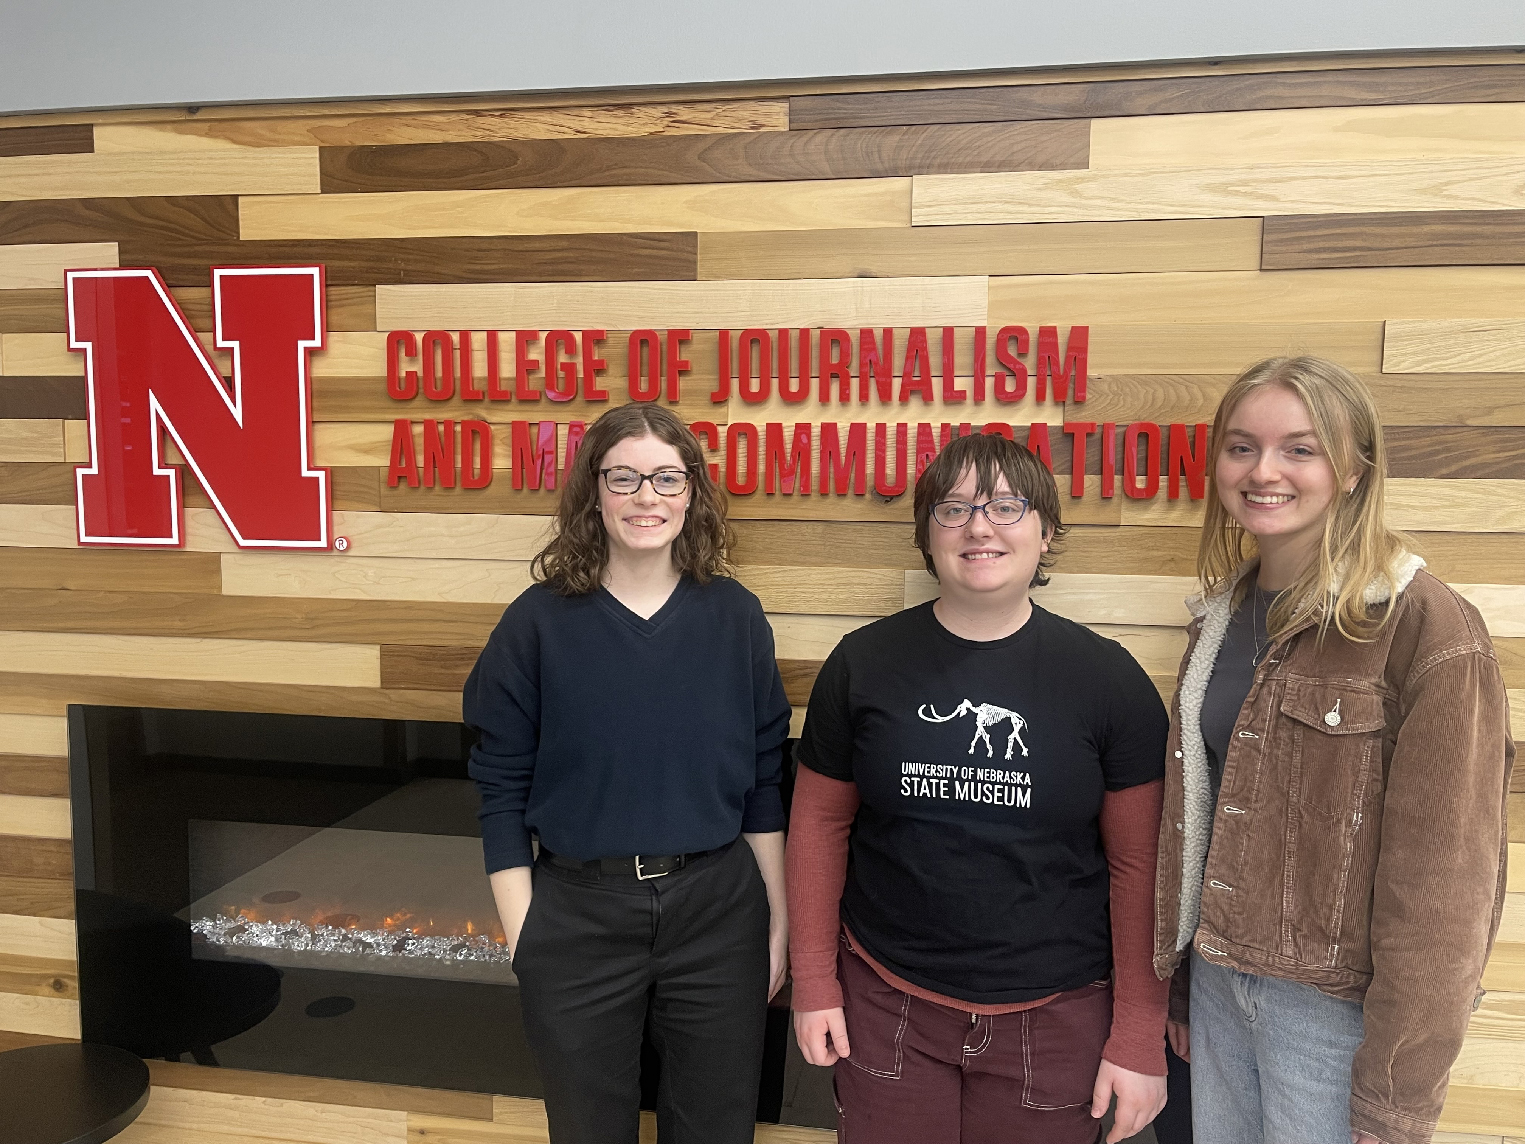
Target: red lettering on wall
(576,431)
(708,434)
(840,464)
(1151,434)
(755,390)
(876,364)
(401,386)
(439,366)
(677,364)
(836,365)
(439,454)
(560,376)
(532,459)
(469,390)
(736,480)
(916,374)
(722,391)
(781,464)
(1188,459)
(1108,459)
(1050,367)
(994,427)
(952,394)
(495,390)
(881,485)
(403,465)
(979,363)
(1038,444)
(1078,431)
(524,365)
(476,454)
(591,365)
(147,375)
(1010,387)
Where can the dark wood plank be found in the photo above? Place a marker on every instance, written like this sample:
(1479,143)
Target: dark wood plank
(799,677)
(33,312)
(26,693)
(126,571)
(1347,87)
(188,218)
(757,156)
(39,976)
(45,776)
(425,668)
(36,482)
(824,544)
(1400,238)
(249,617)
(321,1090)
(35,898)
(48,858)
(499,497)
(1456,451)
(667,257)
(49,139)
(44,397)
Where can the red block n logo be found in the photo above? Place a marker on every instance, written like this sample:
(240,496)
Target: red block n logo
(148,376)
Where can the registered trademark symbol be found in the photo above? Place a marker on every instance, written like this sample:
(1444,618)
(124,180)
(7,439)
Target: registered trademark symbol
(341,544)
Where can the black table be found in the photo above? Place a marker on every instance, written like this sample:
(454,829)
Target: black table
(69,1094)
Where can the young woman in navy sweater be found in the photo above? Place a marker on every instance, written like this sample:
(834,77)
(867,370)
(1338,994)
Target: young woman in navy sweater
(632,717)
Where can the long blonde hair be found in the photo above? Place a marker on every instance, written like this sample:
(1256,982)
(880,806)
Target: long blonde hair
(1358,548)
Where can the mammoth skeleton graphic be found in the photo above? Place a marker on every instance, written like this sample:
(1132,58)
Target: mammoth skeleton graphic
(986,715)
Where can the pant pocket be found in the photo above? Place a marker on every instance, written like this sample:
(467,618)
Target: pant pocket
(876,1014)
(1061,1047)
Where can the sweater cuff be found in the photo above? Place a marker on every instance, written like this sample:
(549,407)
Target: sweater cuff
(506,841)
(1137,1042)
(813,994)
(763,812)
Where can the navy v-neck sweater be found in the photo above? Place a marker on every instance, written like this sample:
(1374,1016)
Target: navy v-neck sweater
(610,735)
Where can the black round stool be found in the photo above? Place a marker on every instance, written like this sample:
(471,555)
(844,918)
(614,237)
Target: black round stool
(69,1094)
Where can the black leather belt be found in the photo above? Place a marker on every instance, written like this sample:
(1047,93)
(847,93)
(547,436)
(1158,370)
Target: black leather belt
(642,867)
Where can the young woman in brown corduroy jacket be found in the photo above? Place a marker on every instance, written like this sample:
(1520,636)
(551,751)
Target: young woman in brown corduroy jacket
(1332,853)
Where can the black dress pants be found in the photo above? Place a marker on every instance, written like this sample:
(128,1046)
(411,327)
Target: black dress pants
(600,957)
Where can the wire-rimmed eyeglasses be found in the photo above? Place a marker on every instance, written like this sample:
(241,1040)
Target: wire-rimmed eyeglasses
(626,481)
(1001,511)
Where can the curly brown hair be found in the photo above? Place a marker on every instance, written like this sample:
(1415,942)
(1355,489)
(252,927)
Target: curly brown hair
(992,457)
(573,563)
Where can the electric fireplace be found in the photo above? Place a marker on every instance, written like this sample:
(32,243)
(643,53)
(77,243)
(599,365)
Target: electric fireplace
(306,895)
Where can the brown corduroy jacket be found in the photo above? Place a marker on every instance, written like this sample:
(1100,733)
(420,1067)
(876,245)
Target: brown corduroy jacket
(1359,842)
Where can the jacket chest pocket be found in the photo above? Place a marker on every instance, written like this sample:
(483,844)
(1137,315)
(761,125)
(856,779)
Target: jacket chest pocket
(1335,733)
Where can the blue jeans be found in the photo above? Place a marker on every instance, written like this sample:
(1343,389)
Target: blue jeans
(1270,1059)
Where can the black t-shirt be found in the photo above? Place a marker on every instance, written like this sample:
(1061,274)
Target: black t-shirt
(976,868)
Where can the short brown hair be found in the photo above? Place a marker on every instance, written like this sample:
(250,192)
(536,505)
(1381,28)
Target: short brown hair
(992,457)
(573,563)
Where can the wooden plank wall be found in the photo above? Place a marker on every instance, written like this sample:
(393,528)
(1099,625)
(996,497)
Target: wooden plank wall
(1197,218)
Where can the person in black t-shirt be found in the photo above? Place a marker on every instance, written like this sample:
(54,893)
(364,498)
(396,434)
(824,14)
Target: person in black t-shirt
(632,716)
(972,844)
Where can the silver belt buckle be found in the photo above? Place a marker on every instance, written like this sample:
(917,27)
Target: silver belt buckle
(641,877)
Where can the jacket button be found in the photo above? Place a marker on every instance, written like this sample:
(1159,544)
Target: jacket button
(1178,754)
(1180,827)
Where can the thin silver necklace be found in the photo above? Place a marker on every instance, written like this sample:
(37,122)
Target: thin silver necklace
(1255,627)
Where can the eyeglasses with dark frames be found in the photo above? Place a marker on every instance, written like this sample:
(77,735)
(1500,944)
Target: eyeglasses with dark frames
(1001,512)
(626,481)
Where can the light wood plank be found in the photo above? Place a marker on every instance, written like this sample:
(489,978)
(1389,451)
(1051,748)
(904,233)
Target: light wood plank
(218,1116)
(1228,347)
(1454,345)
(1456,506)
(1506,967)
(686,305)
(37,937)
(1500,1017)
(374,578)
(1465,1138)
(1050,248)
(1502,606)
(30,816)
(35,734)
(1367,294)
(268,171)
(1309,135)
(1473,1108)
(821,204)
(1516,865)
(518,1112)
(464,126)
(810,637)
(48,1016)
(446,536)
(1218,192)
(322,1090)
(1516,712)
(1143,601)
(424,1129)
(825,591)
(173,657)
(25,439)
(41,266)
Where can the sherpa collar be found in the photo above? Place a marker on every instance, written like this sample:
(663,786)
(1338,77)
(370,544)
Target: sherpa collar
(1215,612)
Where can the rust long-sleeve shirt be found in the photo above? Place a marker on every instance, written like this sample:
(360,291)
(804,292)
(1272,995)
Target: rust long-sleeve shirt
(822,819)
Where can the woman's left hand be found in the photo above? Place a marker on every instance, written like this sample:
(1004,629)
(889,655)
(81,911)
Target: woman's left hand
(778,954)
(1139,1099)
(1363,1138)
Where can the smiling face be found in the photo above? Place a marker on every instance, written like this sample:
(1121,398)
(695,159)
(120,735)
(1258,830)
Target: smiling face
(979,561)
(641,522)
(1273,476)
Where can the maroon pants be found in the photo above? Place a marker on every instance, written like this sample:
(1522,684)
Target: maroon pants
(922,1073)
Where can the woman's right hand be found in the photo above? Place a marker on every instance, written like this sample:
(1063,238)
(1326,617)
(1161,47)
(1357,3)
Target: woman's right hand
(822,1034)
(1179,1036)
